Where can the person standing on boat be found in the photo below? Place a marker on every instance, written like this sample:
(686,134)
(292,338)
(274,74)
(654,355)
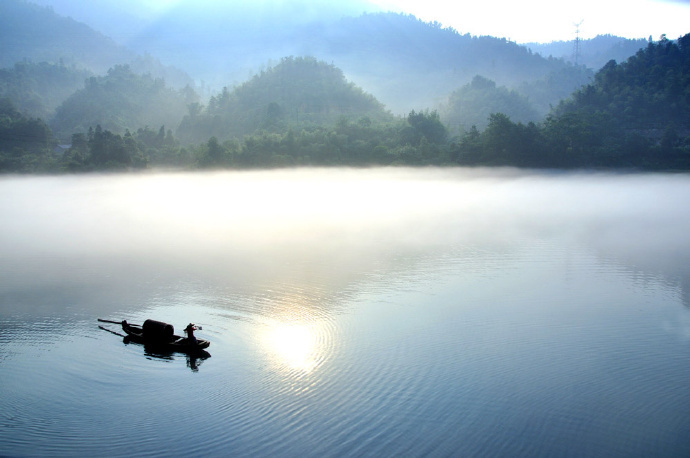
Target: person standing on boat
(191,327)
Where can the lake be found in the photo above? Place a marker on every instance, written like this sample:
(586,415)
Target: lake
(351,312)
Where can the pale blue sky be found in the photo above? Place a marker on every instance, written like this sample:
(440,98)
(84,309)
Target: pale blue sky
(549,20)
(518,20)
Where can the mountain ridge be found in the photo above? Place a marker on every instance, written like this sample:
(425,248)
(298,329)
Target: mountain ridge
(405,63)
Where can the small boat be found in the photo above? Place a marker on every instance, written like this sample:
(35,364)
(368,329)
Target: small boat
(160,336)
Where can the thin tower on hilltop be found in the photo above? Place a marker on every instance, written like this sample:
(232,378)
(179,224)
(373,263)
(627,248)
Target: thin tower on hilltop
(576,46)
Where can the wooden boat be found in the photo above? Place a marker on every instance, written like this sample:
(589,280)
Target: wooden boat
(160,336)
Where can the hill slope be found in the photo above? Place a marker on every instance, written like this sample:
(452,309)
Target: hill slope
(650,89)
(121,100)
(406,63)
(472,105)
(35,33)
(38,89)
(634,114)
(594,52)
(296,92)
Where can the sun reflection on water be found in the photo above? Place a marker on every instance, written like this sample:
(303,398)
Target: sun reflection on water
(293,346)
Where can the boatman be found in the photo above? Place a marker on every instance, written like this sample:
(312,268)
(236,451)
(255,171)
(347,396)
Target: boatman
(191,327)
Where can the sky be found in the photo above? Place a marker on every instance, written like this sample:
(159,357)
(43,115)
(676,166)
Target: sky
(553,20)
(522,21)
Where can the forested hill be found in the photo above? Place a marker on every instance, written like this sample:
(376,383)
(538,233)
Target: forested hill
(37,89)
(649,90)
(408,63)
(121,100)
(367,94)
(592,52)
(404,62)
(36,33)
(296,93)
(634,114)
(33,33)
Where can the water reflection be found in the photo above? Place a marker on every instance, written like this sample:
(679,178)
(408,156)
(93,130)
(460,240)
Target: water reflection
(257,243)
(418,312)
(193,360)
(310,232)
(292,346)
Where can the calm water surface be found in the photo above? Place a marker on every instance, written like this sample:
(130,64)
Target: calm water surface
(382,312)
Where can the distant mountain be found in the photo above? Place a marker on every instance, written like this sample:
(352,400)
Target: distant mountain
(37,89)
(29,32)
(296,93)
(157,27)
(32,32)
(405,62)
(649,90)
(593,52)
(121,100)
(635,114)
(408,63)
(473,104)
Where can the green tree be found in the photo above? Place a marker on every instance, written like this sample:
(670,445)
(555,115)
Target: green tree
(424,125)
(215,155)
(24,142)
(109,151)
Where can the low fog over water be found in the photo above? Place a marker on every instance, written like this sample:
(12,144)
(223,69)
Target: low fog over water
(237,226)
(350,312)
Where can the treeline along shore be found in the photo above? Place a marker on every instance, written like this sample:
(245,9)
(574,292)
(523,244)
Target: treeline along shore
(302,111)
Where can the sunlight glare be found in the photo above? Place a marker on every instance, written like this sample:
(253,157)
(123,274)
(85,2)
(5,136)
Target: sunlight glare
(292,345)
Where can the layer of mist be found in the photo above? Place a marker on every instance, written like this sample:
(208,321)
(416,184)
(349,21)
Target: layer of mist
(289,227)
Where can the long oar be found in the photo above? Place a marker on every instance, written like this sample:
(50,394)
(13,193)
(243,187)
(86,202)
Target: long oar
(112,332)
(109,321)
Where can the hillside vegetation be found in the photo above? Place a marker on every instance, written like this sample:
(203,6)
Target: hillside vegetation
(397,90)
(634,114)
(472,104)
(592,52)
(36,33)
(33,33)
(121,100)
(404,62)
(24,142)
(296,93)
(408,63)
(651,90)
(37,89)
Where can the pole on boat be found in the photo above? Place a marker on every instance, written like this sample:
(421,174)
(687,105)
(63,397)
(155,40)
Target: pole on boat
(109,321)
(112,332)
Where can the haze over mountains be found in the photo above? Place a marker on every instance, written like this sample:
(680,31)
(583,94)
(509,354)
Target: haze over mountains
(274,83)
(404,62)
